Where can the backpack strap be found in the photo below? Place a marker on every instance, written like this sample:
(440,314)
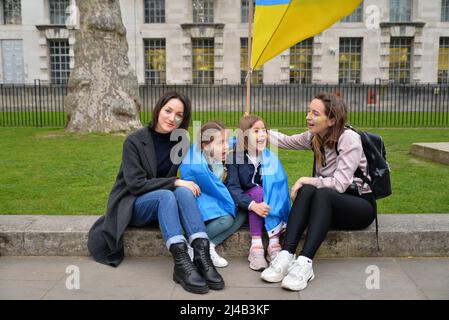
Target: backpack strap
(314,161)
(377,232)
(359,174)
(314,165)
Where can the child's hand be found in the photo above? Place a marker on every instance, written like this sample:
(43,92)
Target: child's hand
(262,209)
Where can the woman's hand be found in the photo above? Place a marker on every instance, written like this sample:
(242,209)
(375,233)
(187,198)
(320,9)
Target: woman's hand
(262,209)
(190,185)
(298,185)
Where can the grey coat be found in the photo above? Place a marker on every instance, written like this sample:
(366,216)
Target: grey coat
(137,176)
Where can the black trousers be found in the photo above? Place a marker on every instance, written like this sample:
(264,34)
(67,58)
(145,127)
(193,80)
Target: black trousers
(319,210)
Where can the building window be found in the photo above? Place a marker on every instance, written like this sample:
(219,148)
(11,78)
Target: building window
(445,10)
(350,60)
(203,11)
(59,61)
(154,11)
(356,16)
(245,10)
(12,61)
(58,11)
(400,59)
(203,61)
(154,61)
(11,12)
(301,62)
(400,10)
(443,61)
(257,74)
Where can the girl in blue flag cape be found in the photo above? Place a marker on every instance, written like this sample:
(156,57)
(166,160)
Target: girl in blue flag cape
(204,164)
(258,184)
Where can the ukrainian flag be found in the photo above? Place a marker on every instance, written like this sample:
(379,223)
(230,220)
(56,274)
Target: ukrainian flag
(280,24)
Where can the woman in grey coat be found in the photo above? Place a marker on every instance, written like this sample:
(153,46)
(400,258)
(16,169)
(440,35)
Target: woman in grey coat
(147,190)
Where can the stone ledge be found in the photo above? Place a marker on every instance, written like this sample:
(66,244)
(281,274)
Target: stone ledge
(400,235)
(437,151)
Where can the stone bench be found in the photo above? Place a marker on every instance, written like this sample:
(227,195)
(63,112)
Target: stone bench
(400,235)
(435,151)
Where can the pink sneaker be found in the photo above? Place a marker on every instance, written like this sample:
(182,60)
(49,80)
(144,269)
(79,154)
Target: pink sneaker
(273,250)
(256,258)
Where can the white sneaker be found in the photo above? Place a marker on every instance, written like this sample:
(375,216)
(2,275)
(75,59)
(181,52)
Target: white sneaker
(190,251)
(299,273)
(278,268)
(217,260)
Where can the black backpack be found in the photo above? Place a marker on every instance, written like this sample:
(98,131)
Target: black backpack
(377,165)
(378,168)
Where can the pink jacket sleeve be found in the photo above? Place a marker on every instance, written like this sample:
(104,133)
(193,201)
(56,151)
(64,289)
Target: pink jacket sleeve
(301,141)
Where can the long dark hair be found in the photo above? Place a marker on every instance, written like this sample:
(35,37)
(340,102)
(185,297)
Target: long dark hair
(335,108)
(166,97)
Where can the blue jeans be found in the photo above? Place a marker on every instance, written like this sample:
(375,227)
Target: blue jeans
(174,210)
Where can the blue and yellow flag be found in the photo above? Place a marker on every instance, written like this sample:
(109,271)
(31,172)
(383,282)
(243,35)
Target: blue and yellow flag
(275,193)
(280,24)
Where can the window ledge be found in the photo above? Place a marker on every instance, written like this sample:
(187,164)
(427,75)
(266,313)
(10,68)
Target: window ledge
(418,24)
(202,25)
(50,26)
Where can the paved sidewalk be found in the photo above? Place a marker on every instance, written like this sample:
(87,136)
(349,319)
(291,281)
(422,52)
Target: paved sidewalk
(151,278)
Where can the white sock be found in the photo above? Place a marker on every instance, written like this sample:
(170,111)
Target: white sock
(289,254)
(273,240)
(305,259)
(256,241)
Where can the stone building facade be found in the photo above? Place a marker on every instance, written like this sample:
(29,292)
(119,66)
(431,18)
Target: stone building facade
(204,42)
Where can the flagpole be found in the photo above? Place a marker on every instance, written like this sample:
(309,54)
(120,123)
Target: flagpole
(249,71)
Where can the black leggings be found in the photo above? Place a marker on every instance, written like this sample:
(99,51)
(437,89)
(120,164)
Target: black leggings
(319,210)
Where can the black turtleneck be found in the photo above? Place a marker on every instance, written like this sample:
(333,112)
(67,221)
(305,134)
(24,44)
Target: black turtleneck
(162,147)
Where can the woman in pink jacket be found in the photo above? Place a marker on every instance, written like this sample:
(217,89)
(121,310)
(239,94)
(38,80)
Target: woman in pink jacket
(332,198)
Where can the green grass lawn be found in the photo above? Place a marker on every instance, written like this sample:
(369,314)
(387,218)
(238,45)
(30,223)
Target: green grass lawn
(49,171)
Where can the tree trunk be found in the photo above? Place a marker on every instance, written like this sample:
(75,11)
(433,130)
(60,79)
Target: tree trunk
(103,92)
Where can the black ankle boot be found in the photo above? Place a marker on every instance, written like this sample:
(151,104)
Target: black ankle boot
(185,272)
(204,264)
